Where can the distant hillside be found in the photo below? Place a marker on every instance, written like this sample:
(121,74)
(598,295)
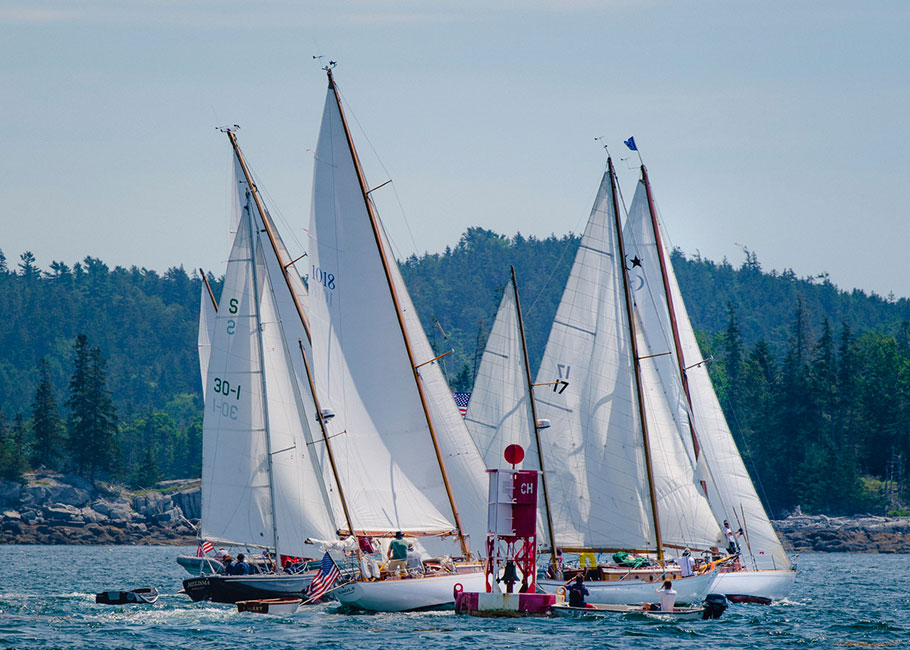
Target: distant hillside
(821,411)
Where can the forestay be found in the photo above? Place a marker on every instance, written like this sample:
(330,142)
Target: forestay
(731,492)
(381,441)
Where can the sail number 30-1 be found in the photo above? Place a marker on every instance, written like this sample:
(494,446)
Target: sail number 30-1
(223,387)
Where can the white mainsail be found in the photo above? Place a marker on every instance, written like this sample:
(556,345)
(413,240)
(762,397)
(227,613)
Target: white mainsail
(594,450)
(262,484)
(381,438)
(731,493)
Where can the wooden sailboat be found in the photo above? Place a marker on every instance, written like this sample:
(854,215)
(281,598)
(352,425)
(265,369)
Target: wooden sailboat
(401,451)
(263,485)
(763,570)
(618,470)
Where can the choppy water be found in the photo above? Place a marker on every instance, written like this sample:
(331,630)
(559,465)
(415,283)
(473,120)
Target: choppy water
(47,601)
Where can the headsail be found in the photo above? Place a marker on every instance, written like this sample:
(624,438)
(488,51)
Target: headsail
(731,492)
(207,313)
(261,482)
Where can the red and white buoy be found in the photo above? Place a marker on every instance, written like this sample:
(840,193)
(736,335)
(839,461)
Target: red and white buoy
(511,567)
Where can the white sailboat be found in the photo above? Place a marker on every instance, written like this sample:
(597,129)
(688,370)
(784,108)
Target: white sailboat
(263,484)
(402,453)
(617,470)
(764,570)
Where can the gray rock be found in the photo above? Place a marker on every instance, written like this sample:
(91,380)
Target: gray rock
(92,516)
(10,492)
(61,512)
(32,516)
(34,494)
(170,518)
(12,514)
(70,495)
(116,511)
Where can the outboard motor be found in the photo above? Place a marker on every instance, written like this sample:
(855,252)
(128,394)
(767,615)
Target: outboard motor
(715,605)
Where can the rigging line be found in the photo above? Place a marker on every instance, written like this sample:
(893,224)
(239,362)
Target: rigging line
(404,216)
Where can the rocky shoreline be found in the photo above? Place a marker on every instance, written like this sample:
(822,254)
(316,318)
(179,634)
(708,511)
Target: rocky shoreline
(51,508)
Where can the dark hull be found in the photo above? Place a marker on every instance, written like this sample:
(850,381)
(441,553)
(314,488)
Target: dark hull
(231,589)
(145,596)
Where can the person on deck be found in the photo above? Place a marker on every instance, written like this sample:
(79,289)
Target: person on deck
(398,554)
(686,564)
(667,596)
(732,546)
(577,592)
(240,568)
(414,563)
(228,563)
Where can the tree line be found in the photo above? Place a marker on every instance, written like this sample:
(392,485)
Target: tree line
(99,372)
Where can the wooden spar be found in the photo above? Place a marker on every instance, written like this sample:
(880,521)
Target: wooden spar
(374,223)
(265,397)
(328,445)
(543,476)
(627,292)
(267,222)
(209,287)
(672,309)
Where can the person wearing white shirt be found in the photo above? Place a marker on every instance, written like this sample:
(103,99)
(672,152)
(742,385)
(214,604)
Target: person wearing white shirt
(667,596)
(686,564)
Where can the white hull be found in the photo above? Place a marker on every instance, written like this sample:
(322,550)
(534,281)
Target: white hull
(633,592)
(773,584)
(409,593)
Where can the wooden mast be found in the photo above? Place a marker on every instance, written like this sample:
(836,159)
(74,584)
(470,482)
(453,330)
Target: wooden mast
(374,223)
(627,292)
(672,309)
(543,476)
(266,221)
(284,267)
(205,280)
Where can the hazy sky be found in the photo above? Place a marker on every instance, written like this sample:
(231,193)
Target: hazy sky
(778,126)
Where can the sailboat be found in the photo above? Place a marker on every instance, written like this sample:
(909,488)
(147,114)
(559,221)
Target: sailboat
(403,457)
(763,571)
(617,470)
(263,484)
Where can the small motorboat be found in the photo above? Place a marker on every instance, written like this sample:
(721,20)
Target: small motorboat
(142,596)
(713,606)
(278,606)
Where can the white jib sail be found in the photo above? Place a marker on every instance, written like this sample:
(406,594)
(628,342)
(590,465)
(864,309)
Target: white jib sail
(499,413)
(381,440)
(236,505)
(731,492)
(237,482)
(596,474)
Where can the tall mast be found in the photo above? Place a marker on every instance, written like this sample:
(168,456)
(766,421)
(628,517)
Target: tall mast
(374,223)
(266,221)
(543,475)
(627,291)
(284,268)
(265,398)
(666,281)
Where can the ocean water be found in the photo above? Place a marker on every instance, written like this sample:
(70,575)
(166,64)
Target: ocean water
(47,601)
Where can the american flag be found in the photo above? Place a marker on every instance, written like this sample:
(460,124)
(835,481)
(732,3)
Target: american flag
(204,549)
(324,579)
(461,401)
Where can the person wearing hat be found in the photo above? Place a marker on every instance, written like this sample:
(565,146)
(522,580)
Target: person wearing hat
(398,554)
(228,563)
(732,546)
(686,564)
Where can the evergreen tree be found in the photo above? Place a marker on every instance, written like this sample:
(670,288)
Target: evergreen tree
(146,473)
(10,467)
(92,423)
(47,425)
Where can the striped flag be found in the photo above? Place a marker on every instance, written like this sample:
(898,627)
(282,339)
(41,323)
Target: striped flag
(324,579)
(204,549)
(461,401)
